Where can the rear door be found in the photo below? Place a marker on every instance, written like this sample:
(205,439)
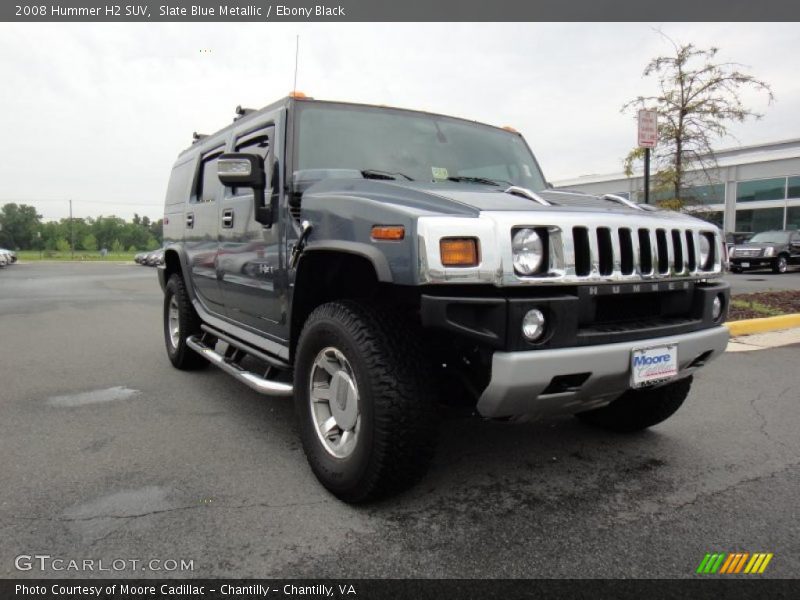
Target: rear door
(249,253)
(201,226)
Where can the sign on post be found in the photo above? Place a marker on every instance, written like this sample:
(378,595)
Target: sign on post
(648,128)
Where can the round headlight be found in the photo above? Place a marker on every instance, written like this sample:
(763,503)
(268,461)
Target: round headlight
(533,324)
(527,251)
(705,250)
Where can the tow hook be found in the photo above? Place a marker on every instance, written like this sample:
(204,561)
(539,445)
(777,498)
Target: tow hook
(301,242)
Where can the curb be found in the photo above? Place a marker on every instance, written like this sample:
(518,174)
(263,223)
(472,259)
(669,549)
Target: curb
(748,326)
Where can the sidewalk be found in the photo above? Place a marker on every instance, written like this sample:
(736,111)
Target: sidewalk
(760,341)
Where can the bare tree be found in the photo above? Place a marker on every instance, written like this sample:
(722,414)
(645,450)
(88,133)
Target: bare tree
(698,99)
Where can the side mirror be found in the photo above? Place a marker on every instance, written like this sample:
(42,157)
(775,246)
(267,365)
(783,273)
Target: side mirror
(238,169)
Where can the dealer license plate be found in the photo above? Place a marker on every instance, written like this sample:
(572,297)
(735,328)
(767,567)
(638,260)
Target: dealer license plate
(745,264)
(657,363)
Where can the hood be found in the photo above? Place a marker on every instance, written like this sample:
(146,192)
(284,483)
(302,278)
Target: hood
(465,199)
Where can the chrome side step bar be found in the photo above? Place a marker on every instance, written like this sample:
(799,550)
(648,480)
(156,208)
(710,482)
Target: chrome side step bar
(256,382)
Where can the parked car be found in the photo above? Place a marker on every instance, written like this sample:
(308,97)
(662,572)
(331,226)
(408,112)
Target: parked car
(11,256)
(4,259)
(155,258)
(376,260)
(775,249)
(733,238)
(140,257)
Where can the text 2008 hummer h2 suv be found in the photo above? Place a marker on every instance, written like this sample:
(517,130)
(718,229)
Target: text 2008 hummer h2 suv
(372,261)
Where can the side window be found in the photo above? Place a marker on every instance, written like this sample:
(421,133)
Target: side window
(208,180)
(258,143)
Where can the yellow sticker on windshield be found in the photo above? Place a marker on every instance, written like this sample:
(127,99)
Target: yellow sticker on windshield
(439,172)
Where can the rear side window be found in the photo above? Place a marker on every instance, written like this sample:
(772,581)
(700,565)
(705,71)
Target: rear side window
(180,183)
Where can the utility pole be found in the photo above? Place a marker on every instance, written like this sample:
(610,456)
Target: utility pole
(71,232)
(647,175)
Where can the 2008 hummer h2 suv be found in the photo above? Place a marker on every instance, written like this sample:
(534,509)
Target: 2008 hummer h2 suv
(372,261)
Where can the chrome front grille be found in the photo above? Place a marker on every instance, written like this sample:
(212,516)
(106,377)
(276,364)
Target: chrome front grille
(582,247)
(747,252)
(626,251)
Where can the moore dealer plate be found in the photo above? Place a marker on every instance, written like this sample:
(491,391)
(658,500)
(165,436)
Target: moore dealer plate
(655,363)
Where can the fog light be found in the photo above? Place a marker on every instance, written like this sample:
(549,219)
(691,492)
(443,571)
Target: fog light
(533,325)
(716,307)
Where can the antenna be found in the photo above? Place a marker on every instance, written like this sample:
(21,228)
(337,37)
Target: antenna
(296,55)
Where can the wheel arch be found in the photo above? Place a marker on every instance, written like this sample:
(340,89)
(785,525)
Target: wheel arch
(327,274)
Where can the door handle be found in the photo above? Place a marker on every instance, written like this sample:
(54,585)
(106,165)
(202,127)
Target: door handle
(189,220)
(227,218)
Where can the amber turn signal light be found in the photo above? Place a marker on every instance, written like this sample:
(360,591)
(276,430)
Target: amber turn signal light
(392,233)
(459,252)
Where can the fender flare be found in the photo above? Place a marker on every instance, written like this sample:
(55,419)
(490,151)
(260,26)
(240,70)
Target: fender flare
(371,253)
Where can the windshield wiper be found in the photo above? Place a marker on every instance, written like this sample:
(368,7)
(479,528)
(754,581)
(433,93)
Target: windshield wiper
(378,174)
(484,180)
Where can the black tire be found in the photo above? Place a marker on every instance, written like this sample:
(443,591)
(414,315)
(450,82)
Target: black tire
(780,265)
(180,355)
(395,438)
(639,409)
(736,270)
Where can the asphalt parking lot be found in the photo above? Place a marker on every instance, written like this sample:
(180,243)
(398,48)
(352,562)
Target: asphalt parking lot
(109,453)
(764,280)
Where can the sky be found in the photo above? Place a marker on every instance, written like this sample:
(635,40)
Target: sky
(98,112)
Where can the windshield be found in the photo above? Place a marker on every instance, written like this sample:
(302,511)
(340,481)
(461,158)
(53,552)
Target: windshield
(386,143)
(770,237)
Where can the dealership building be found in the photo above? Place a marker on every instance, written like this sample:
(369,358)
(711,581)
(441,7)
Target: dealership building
(753,188)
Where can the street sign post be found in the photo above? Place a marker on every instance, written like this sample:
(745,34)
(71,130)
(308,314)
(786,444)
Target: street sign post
(647,138)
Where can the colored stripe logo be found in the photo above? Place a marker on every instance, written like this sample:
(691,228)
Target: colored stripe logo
(731,563)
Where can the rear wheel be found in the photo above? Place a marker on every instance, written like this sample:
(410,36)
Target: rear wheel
(639,409)
(780,265)
(363,396)
(180,322)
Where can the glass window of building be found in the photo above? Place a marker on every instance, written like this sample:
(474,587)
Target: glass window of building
(712,216)
(704,194)
(793,217)
(794,187)
(761,189)
(760,219)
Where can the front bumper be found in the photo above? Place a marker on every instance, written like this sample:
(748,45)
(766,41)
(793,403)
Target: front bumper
(570,380)
(752,263)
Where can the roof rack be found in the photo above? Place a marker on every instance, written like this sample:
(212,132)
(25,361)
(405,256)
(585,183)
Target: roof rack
(196,137)
(241,112)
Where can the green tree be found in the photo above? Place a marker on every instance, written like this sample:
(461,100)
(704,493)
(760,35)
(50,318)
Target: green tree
(62,245)
(117,246)
(698,99)
(89,242)
(18,226)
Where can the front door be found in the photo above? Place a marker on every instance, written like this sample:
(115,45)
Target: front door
(249,256)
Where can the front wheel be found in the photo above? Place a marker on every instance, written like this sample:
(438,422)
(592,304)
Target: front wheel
(180,322)
(780,265)
(639,409)
(365,408)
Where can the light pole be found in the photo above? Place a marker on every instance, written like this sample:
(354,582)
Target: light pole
(71,232)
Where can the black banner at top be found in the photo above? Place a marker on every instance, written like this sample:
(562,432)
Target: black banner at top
(398,10)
